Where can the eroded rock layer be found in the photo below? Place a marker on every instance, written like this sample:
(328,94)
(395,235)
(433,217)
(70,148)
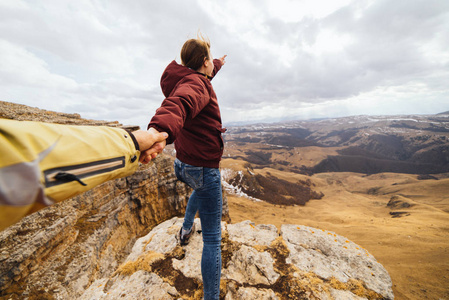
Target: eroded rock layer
(60,250)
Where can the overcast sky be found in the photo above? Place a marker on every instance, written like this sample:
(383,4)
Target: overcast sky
(286,59)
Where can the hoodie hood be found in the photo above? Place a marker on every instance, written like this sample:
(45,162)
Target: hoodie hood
(173,73)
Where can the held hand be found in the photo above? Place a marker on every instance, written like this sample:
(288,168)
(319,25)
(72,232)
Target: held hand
(146,139)
(149,154)
(222,59)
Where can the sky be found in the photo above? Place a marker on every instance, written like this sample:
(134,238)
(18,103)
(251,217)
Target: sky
(286,60)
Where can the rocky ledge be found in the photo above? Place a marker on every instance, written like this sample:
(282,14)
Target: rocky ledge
(58,251)
(259,262)
(20,112)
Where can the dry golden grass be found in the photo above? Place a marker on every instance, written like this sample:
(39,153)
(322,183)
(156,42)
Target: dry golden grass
(414,248)
(306,156)
(144,263)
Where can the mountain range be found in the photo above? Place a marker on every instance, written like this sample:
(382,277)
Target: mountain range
(412,144)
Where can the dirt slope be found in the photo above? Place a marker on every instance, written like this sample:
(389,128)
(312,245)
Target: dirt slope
(414,248)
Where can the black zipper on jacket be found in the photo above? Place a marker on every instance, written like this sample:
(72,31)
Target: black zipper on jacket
(57,176)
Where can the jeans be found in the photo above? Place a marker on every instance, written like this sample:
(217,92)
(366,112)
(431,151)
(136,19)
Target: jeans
(207,199)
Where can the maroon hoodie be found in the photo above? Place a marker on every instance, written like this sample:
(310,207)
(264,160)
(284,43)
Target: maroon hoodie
(190,115)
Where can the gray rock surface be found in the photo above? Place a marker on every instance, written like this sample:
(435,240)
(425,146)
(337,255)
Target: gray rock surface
(249,266)
(249,293)
(140,285)
(251,235)
(298,262)
(329,255)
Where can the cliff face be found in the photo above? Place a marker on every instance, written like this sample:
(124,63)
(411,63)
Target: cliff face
(61,249)
(58,251)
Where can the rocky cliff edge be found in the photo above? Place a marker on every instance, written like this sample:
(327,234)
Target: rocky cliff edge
(259,262)
(58,251)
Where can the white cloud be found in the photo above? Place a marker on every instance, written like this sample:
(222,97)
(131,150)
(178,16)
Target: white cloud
(286,59)
(291,11)
(19,67)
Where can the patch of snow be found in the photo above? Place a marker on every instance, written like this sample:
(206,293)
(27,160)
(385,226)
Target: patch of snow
(402,119)
(227,175)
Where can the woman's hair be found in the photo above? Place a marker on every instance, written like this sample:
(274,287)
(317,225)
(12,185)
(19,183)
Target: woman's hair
(194,51)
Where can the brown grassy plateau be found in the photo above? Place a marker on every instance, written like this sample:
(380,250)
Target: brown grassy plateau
(414,247)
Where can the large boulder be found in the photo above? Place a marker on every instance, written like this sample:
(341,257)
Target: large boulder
(259,262)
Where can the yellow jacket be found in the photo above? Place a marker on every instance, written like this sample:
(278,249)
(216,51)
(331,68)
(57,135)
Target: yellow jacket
(43,163)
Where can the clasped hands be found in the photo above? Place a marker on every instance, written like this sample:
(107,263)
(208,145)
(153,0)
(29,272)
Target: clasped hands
(151,143)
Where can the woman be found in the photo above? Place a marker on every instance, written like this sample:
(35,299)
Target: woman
(191,116)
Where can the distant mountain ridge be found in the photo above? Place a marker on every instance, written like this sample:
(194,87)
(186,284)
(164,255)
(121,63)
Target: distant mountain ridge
(415,144)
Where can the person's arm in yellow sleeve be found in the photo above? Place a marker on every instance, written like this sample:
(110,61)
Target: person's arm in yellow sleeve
(43,163)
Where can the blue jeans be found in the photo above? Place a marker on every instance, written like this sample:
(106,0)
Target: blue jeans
(207,199)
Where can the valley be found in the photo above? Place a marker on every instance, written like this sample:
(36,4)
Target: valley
(364,144)
(398,209)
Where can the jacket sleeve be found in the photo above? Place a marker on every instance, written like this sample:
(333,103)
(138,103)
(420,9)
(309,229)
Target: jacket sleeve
(187,101)
(217,67)
(44,163)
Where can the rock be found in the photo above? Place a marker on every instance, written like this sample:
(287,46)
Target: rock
(161,239)
(250,234)
(399,214)
(248,266)
(249,293)
(398,201)
(299,262)
(188,264)
(329,255)
(347,295)
(226,216)
(140,285)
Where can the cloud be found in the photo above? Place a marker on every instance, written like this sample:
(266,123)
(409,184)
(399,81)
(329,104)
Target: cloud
(350,52)
(286,59)
(21,68)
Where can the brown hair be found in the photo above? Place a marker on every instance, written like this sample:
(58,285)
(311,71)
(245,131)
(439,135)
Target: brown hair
(195,51)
